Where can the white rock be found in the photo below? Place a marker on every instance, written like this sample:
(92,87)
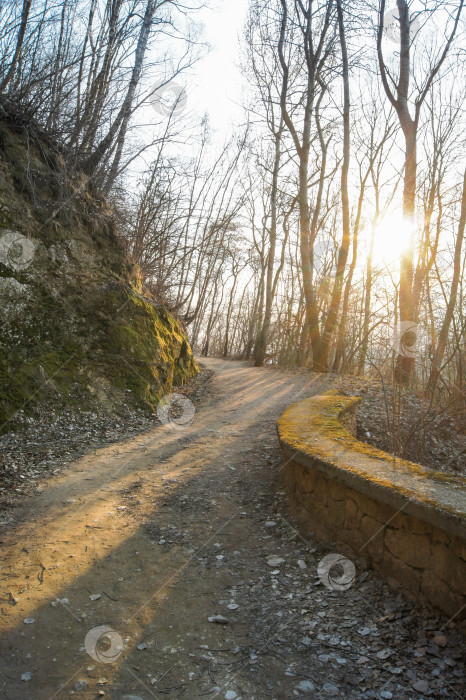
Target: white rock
(26,676)
(384,654)
(306,686)
(275,561)
(219,619)
(302,564)
(95,596)
(230,695)
(29,620)
(270,523)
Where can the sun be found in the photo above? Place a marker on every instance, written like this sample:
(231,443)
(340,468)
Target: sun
(393,237)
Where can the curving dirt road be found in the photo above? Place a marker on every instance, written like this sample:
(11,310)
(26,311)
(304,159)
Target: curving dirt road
(111,573)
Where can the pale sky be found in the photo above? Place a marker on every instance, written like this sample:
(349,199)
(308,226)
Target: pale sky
(218,83)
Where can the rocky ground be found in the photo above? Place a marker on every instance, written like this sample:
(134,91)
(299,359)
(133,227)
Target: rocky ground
(177,548)
(54,435)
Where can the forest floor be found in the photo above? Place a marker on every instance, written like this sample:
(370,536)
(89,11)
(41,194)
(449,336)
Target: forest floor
(175,549)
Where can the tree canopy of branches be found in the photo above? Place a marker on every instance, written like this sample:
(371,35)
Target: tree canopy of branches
(81,69)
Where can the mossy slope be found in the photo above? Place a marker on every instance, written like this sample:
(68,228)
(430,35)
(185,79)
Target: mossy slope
(73,325)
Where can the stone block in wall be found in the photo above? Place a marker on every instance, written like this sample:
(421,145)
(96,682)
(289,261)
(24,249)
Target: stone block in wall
(289,477)
(353,538)
(318,517)
(305,478)
(449,568)
(409,577)
(336,490)
(439,593)
(373,536)
(410,548)
(440,536)
(408,523)
(459,547)
(336,512)
(353,514)
(377,510)
(320,489)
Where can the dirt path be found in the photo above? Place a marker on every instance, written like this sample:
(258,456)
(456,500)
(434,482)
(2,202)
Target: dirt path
(140,543)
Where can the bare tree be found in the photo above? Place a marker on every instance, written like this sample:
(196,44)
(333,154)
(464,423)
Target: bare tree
(399,93)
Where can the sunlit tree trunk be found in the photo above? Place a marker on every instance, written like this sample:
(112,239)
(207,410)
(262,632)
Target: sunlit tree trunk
(331,322)
(399,96)
(443,335)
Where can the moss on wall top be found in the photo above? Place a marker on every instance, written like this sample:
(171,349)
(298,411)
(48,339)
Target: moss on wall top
(313,428)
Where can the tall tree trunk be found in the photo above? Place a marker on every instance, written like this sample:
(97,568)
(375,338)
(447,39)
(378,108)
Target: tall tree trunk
(332,317)
(19,45)
(443,336)
(261,344)
(409,125)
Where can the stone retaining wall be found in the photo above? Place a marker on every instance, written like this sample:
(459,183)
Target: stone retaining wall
(409,522)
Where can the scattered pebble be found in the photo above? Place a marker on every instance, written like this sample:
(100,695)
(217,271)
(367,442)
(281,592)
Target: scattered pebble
(305,686)
(80,685)
(219,619)
(421,686)
(384,654)
(275,561)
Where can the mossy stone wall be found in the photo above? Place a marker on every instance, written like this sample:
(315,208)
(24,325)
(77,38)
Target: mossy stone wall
(425,556)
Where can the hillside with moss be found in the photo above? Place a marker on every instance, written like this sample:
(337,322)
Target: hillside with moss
(75,326)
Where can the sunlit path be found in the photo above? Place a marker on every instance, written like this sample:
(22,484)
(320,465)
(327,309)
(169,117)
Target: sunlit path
(143,543)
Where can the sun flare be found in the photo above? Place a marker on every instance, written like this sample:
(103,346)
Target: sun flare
(393,236)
